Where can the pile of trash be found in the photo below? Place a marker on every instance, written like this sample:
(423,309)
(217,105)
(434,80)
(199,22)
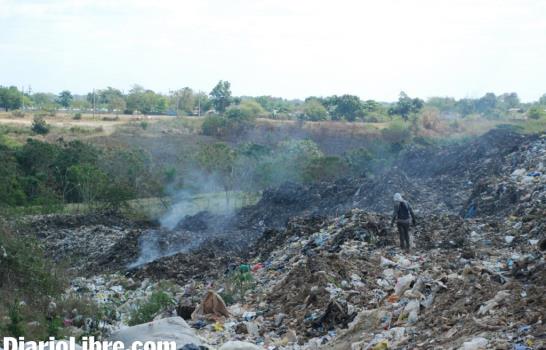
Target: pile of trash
(318,266)
(519,190)
(342,283)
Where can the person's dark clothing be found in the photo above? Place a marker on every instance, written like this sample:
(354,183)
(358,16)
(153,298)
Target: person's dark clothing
(403,232)
(403,215)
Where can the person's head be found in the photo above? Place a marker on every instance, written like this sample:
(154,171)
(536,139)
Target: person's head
(398,197)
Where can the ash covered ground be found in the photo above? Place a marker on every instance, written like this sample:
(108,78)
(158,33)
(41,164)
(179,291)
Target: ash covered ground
(325,270)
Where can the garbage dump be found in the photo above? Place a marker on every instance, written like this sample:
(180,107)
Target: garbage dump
(319,266)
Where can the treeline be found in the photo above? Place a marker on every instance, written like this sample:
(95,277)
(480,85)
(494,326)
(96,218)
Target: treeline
(50,174)
(219,100)
(46,176)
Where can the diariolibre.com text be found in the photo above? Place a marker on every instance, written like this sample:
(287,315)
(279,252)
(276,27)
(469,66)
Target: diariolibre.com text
(87,343)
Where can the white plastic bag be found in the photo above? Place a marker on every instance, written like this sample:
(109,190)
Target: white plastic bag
(403,284)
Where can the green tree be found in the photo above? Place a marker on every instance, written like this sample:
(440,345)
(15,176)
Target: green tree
(252,108)
(11,191)
(70,154)
(214,125)
(218,160)
(275,105)
(359,160)
(89,182)
(406,106)
(349,107)
(324,168)
(542,100)
(10,98)
(536,112)
(465,106)
(183,101)
(487,103)
(236,120)
(38,178)
(110,98)
(509,100)
(43,100)
(203,103)
(65,99)
(146,101)
(81,104)
(396,133)
(291,159)
(117,104)
(221,96)
(444,104)
(314,110)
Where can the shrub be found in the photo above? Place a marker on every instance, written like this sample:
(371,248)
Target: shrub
(456,126)
(158,302)
(536,112)
(252,108)
(359,160)
(236,285)
(18,113)
(214,125)
(423,141)
(314,110)
(396,133)
(15,326)
(80,130)
(144,125)
(324,168)
(77,116)
(240,113)
(39,125)
(430,119)
(29,283)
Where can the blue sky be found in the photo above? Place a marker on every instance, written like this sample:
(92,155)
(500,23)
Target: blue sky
(284,48)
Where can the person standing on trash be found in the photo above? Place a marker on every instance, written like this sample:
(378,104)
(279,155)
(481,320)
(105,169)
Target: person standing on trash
(403,215)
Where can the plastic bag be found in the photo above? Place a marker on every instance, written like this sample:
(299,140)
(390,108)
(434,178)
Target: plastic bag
(403,284)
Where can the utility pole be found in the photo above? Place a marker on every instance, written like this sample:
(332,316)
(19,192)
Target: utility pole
(177,103)
(23,92)
(199,103)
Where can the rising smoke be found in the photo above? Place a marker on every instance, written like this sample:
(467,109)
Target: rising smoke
(205,195)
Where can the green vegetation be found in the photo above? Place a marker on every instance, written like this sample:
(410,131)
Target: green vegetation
(10,98)
(221,96)
(186,101)
(50,174)
(65,99)
(143,101)
(406,106)
(314,110)
(33,304)
(146,311)
(39,125)
(537,112)
(230,145)
(397,132)
(236,284)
